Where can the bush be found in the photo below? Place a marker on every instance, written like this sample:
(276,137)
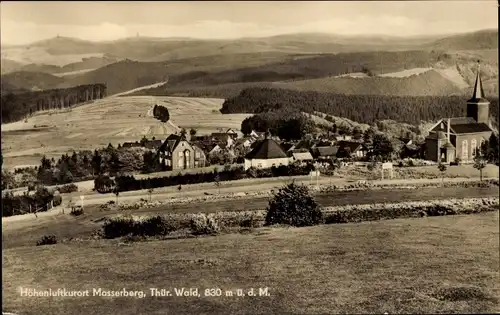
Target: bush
(202,224)
(47,240)
(57,200)
(76,211)
(118,227)
(68,188)
(293,205)
(148,226)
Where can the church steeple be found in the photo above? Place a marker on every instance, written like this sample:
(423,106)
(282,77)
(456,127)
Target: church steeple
(478,106)
(478,93)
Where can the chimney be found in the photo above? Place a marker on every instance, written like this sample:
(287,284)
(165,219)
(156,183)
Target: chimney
(448,131)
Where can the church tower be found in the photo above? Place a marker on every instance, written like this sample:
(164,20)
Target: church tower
(478,107)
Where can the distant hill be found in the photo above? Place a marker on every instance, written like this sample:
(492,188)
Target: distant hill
(31,81)
(8,65)
(121,76)
(485,39)
(164,49)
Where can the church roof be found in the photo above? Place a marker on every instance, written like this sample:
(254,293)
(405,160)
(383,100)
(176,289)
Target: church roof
(470,128)
(266,149)
(478,94)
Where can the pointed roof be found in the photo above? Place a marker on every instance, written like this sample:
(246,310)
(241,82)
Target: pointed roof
(478,94)
(266,149)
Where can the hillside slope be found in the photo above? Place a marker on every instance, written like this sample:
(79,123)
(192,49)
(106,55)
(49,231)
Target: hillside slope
(31,81)
(429,83)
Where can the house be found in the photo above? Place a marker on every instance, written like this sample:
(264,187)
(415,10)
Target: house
(267,153)
(177,153)
(244,142)
(302,157)
(461,137)
(351,149)
(411,150)
(325,153)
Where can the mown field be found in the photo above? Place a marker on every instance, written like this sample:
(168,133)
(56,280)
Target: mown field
(427,265)
(111,120)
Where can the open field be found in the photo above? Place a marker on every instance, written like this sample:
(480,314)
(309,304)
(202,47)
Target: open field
(110,120)
(405,73)
(428,265)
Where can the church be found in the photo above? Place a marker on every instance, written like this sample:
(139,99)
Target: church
(458,138)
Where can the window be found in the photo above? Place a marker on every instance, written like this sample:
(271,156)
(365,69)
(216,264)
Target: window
(180,154)
(473,145)
(197,154)
(259,165)
(180,163)
(465,153)
(442,126)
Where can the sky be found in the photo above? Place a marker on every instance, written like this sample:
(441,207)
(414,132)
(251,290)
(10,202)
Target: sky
(25,22)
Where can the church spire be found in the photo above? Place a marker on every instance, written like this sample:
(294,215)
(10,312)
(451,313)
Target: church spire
(478,93)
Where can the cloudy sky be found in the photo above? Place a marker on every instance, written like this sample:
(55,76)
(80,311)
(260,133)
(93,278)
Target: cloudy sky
(25,22)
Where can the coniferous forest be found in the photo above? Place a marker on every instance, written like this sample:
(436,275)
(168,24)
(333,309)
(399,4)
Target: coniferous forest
(17,106)
(360,108)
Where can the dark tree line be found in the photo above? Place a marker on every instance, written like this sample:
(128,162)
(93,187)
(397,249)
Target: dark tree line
(18,106)
(14,205)
(161,113)
(361,108)
(287,124)
(104,184)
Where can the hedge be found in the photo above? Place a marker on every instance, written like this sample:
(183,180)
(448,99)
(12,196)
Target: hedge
(128,182)
(212,223)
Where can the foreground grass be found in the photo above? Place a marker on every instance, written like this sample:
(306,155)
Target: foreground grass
(427,265)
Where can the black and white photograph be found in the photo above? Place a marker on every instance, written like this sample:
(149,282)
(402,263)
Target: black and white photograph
(250,157)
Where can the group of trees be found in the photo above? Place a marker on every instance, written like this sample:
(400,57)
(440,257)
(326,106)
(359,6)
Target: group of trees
(39,201)
(86,165)
(288,124)
(18,106)
(366,109)
(161,113)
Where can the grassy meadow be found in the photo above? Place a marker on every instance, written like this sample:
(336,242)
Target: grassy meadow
(428,265)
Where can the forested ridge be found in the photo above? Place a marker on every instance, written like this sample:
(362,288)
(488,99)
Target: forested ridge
(360,108)
(19,106)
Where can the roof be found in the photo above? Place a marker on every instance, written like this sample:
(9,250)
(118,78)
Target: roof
(286,146)
(327,151)
(302,156)
(266,149)
(353,146)
(470,128)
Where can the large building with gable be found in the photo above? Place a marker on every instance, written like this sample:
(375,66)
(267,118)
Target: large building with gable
(461,137)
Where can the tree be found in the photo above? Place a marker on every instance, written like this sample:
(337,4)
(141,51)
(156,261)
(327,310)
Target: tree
(192,132)
(117,193)
(183,132)
(150,192)
(480,163)
(382,146)
(442,169)
(293,205)
(217,182)
(96,163)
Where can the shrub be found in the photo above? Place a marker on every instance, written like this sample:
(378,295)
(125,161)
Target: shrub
(57,200)
(76,211)
(118,226)
(293,205)
(202,224)
(153,226)
(47,240)
(68,188)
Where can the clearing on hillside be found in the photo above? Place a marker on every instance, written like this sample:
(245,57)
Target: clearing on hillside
(110,120)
